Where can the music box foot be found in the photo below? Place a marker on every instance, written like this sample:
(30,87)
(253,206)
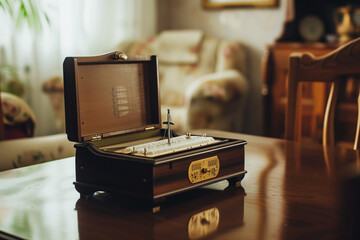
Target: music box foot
(156,205)
(236,181)
(85,192)
(156,209)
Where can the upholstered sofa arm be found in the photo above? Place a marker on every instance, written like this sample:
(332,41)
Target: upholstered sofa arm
(231,55)
(221,86)
(27,151)
(212,100)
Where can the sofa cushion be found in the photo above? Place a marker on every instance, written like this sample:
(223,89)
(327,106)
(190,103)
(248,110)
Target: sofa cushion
(174,80)
(18,118)
(176,47)
(15,110)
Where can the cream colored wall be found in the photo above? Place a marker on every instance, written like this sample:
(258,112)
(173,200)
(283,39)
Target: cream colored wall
(254,27)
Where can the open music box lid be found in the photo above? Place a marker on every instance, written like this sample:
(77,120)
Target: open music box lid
(109,95)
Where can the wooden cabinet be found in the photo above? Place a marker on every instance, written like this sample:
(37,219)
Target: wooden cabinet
(314,95)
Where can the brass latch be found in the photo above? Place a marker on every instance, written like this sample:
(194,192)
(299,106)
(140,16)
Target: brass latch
(120,55)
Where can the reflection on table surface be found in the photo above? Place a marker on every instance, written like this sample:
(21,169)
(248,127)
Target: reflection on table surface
(291,191)
(193,215)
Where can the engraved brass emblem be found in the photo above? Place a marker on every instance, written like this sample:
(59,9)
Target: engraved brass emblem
(203,169)
(203,223)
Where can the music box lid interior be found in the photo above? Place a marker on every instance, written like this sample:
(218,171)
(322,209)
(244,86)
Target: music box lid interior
(113,96)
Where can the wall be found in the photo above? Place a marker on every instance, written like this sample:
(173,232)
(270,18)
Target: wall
(254,27)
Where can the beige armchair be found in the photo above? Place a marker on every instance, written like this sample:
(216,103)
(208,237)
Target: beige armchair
(18,147)
(202,78)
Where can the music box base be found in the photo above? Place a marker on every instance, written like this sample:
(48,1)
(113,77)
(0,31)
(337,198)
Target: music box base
(154,179)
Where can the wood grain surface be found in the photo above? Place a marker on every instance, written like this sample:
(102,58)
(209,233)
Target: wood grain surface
(291,191)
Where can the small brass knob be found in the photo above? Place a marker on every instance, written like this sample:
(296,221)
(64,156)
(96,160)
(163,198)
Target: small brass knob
(120,55)
(205,170)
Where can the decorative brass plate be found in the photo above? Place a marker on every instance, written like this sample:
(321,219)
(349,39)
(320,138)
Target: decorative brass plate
(203,169)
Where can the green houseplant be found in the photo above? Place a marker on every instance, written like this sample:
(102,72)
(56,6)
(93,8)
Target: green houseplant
(25,11)
(21,12)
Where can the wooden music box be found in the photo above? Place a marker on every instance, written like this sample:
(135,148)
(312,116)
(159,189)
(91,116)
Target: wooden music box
(113,113)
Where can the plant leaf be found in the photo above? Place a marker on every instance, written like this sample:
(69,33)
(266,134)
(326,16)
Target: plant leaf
(30,13)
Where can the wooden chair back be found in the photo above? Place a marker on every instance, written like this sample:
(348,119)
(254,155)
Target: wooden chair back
(337,66)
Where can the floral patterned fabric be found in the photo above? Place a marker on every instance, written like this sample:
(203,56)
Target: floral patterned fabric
(199,75)
(18,118)
(23,152)
(15,110)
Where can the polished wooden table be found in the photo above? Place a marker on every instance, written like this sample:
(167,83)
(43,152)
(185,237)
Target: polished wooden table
(291,191)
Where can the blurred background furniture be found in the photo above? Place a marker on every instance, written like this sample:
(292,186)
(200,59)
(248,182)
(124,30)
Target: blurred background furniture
(54,88)
(18,119)
(202,78)
(340,65)
(274,86)
(28,151)
(315,27)
(18,146)
(2,130)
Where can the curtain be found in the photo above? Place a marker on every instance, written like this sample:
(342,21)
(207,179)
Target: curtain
(77,28)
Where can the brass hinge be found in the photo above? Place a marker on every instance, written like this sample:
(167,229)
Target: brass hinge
(149,128)
(96,137)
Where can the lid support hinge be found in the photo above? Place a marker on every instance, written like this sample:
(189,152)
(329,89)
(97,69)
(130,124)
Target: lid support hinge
(96,137)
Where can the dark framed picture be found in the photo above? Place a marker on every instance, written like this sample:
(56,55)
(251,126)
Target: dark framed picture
(239,3)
